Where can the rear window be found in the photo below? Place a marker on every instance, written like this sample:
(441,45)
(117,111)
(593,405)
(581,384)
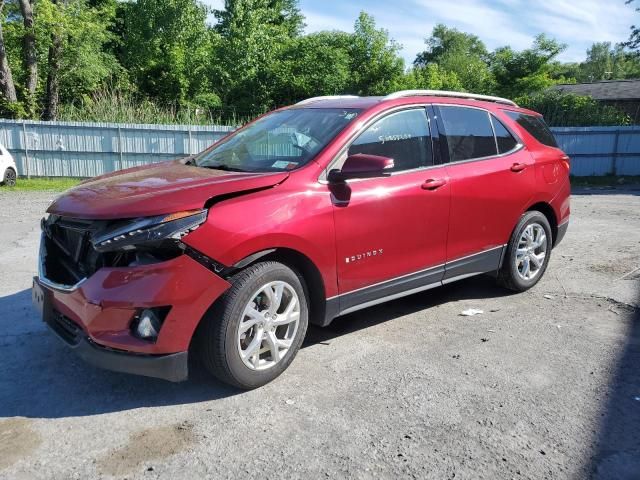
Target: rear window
(469,133)
(535,126)
(505,140)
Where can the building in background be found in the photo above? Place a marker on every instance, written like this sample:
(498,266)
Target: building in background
(623,94)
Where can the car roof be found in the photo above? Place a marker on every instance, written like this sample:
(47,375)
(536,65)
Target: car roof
(364,103)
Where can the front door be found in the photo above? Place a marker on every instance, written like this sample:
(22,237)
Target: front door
(391,232)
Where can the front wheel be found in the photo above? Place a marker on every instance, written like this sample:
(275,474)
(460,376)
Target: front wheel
(9,178)
(253,332)
(528,253)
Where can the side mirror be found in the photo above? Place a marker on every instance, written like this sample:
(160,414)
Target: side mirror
(362,165)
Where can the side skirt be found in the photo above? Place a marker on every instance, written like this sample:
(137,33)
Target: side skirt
(479,263)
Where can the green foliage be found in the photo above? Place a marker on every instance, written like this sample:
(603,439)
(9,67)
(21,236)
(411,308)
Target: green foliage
(144,61)
(252,37)
(302,72)
(461,54)
(43,184)
(165,47)
(84,29)
(568,110)
(519,73)
(111,105)
(431,77)
(375,64)
(605,62)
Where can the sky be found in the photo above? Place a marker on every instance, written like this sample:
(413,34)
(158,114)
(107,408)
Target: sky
(496,22)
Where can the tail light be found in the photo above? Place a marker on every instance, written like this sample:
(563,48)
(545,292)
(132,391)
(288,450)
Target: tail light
(566,162)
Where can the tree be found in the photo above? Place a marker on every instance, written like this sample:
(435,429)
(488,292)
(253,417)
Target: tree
(634,37)
(306,62)
(568,110)
(30,55)
(7,87)
(375,64)
(75,33)
(431,77)
(607,62)
(528,71)
(165,48)
(458,53)
(247,59)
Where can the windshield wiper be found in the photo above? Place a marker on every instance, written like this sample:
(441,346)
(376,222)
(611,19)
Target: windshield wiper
(223,167)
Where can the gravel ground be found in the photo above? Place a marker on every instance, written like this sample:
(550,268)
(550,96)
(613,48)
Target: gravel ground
(544,384)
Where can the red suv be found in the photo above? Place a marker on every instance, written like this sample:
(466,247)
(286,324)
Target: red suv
(308,213)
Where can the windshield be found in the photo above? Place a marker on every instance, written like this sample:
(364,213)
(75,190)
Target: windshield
(280,141)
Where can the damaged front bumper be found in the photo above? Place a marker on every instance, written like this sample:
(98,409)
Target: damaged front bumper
(95,317)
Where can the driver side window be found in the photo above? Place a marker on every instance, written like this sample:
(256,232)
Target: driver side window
(403,136)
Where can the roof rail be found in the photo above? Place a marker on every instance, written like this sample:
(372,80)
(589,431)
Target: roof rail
(326,97)
(445,93)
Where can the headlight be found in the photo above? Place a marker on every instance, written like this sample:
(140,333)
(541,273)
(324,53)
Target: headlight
(129,234)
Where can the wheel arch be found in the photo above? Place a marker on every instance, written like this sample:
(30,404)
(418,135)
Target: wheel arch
(304,266)
(547,210)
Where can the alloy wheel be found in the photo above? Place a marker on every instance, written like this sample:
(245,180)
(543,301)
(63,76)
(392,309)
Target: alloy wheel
(268,325)
(531,251)
(10,178)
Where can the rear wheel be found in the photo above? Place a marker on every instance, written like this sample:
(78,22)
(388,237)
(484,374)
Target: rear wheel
(9,178)
(251,335)
(528,253)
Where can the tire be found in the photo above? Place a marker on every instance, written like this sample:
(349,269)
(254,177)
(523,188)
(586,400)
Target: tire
(224,350)
(9,178)
(512,274)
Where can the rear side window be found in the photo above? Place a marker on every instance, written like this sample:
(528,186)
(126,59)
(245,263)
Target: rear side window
(469,133)
(504,139)
(403,136)
(535,126)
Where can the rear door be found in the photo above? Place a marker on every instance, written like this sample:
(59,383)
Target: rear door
(492,180)
(391,232)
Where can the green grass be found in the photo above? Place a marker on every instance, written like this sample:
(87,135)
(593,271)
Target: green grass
(57,184)
(605,181)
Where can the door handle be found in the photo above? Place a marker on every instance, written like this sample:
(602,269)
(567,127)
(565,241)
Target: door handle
(433,184)
(518,167)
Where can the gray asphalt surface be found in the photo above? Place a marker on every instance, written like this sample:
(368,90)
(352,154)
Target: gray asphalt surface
(536,387)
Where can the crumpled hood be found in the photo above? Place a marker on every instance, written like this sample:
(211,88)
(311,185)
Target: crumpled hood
(155,190)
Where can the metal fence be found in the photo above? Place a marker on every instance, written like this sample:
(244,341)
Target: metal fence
(601,150)
(78,149)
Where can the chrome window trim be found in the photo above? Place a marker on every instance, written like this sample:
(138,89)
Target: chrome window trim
(42,273)
(518,147)
(357,132)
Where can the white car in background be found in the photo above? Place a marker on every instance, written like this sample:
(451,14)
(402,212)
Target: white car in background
(8,170)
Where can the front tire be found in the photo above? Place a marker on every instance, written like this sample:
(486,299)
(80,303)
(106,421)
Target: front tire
(253,332)
(528,253)
(9,177)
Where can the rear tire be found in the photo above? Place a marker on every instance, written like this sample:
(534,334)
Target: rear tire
(9,178)
(528,253)
(253,332)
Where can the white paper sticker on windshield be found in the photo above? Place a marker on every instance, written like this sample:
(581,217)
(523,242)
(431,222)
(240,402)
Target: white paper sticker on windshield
(284,164)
